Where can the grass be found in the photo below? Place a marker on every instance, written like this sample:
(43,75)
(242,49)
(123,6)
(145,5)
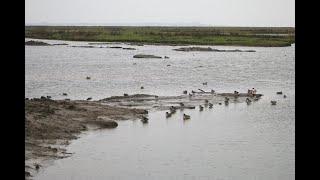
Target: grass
(237,36)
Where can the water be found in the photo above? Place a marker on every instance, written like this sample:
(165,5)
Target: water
(237,141)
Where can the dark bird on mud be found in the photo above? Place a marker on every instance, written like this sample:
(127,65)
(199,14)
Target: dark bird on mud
(273,102)
(42,97)
(226,100)
(201,90)
(210,105)
(166,57)
(37,166)
(205,83)
(89,98)
(125,94)
(248,100)
(190,95)
(284,96)
(212,91)
(67,99)
(65,94)
(280,92)
(168,114)
(220,103)
(144,119)
(193,92)
(200,107)
(146,112)
(185,92)
(142,87)
(49,97)
(206,101)
(181,104)
(186,116)
(88,77)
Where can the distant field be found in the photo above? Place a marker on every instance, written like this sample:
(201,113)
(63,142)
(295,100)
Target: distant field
(237,36)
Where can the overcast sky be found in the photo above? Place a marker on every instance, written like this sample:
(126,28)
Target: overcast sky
(196,12)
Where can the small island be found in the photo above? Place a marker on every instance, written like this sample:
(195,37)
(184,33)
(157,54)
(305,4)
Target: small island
(36,43)
(145,56)
(187,49)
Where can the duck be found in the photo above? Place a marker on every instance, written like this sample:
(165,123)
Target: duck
(168,114)
(186,116)
(280,92)
(200,108)
(144,119)
(185,92)
(273,102)
(173,108)
(210,105)
(181,104)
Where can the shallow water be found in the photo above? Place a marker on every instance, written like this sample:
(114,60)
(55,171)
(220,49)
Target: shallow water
(237,141)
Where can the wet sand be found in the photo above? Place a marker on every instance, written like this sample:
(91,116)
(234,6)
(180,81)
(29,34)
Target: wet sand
(51,124)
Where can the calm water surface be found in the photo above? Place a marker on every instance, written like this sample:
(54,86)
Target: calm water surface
(237,141)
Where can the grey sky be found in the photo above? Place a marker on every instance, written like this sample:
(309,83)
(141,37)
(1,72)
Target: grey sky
(205,12)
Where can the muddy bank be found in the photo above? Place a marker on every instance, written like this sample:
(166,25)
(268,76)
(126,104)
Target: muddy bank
(50,125)
(36,43)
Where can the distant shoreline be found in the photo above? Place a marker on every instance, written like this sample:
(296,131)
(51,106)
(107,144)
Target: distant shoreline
(174,36)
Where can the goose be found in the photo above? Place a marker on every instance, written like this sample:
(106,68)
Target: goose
(185,92)
(181,104)
(273,102)
(200,107)
(168,114)
(280,92)
(186,116)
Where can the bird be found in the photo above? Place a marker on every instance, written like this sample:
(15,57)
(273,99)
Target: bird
(220,103)
(142,87)
(210,105)
(89,98)
(193,91)
(190,95)
(88,77)
(125,94)
(248,100)
(201,108)
(144,119)
(65,94)
(205,83)
(185,92)
(212,91)
(186,116)
(49,97)
(280,92)
(273,102)
(181,104)
(284,96)
(168,114)
(37,166)
(206,101)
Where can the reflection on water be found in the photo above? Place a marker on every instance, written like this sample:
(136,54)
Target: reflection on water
(237,141)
